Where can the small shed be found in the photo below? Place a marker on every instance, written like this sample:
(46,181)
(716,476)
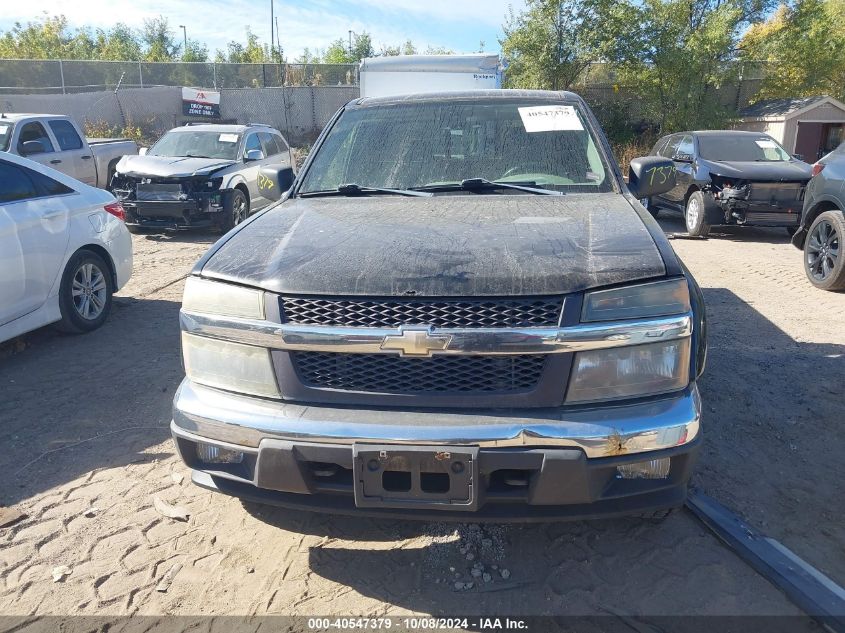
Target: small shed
(808,126)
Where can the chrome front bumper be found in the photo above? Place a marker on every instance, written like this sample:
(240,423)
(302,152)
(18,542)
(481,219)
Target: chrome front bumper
(598,430)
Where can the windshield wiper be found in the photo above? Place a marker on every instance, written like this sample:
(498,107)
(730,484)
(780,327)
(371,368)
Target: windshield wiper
(351,189)
(475,184)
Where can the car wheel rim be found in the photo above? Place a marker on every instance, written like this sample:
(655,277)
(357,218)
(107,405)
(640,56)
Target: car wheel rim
(692,214)
(240,210)
(89,291)
(822,251)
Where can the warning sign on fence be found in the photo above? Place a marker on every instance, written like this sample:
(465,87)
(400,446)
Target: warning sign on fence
(201,103)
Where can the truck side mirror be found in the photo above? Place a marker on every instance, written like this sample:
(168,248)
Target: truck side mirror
(651,175)
(274,181)
(142,151)
(253,155)
(29,148)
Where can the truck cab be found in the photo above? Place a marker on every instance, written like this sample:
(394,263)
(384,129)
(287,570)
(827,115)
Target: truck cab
(57,142)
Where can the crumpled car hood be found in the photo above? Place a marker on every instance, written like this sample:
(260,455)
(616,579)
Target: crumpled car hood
(169,167)
(461,245)
(766,171)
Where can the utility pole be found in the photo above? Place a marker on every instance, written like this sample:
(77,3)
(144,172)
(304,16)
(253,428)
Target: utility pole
(350,43)
(272,20)
(185,37)
(278,41)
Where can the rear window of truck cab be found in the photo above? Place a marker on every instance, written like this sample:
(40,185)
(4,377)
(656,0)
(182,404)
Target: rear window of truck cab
(411,145)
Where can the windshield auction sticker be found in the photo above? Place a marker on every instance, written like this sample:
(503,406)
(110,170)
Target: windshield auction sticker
(228,138)
(554,118)
(765,143)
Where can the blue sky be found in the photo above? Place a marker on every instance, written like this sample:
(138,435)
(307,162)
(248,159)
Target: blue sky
(456,24)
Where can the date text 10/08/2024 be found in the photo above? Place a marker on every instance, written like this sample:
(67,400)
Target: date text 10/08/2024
(417,624)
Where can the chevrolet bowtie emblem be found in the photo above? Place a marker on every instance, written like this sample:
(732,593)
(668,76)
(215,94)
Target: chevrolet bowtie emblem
(416,342)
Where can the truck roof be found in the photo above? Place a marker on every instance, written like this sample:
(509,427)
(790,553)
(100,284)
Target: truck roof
(471,95)
(18,116)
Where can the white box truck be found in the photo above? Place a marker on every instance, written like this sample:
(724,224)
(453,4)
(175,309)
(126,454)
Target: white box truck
(405,74)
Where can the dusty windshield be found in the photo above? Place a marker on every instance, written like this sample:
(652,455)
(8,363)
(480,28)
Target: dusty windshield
(197,144)
(741,148)
(5,135)
(427,144)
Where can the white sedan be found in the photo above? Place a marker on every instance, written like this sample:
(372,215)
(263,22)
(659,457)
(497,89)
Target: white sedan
(64,250)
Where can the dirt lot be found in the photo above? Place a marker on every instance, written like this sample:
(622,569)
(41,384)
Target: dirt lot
(84,426)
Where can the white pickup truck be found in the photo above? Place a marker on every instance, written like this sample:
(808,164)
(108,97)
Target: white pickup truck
(55,141)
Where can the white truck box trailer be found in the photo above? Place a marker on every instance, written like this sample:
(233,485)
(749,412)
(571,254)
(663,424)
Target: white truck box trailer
(404,74)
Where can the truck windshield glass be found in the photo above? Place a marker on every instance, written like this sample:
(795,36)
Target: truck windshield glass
(434,144)
(5,135)
(741,148)
(197,144)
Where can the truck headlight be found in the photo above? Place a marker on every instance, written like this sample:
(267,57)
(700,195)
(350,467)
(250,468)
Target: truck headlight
(226,364)
(628,372)
(659,298)
(231,366)
(213,297)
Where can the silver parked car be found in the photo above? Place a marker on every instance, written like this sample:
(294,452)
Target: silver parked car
(199,176)
(823,223)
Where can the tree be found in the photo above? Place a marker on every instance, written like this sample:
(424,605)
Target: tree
(676,54)
(408,48)
(159,41)
(119,43)
(337,53)
(438,50)
(195,52)
(308,57)
(46,38)
(253,52)
(552,42)
(804,47)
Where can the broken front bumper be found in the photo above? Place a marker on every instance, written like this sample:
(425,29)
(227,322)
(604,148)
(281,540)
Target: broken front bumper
(171,213)
(531,464)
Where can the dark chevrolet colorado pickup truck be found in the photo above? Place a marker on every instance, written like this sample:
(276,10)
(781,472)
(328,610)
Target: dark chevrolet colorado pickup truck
(459,308)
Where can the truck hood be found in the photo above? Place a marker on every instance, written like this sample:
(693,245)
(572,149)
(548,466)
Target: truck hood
(774,171)
(456,245)
(169,167)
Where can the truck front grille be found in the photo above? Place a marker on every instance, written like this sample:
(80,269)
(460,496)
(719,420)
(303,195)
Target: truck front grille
(384,373)
(443,313)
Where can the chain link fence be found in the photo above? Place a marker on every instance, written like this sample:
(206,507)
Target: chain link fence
(27,76)
(299,112)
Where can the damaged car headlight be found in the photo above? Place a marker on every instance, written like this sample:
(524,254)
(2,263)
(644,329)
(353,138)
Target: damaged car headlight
(659,298)
(212,297)
(629,372)
(229,365)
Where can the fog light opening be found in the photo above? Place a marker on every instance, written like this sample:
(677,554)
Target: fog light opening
(210,454)
(652,469)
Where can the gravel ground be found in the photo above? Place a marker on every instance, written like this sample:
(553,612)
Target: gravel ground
(86,449)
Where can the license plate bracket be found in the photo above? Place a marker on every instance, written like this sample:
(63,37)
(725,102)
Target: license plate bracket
(422,477)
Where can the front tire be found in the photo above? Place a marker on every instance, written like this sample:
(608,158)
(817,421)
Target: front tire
(85,294)
(235,210)
(824,262)
(695,215)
